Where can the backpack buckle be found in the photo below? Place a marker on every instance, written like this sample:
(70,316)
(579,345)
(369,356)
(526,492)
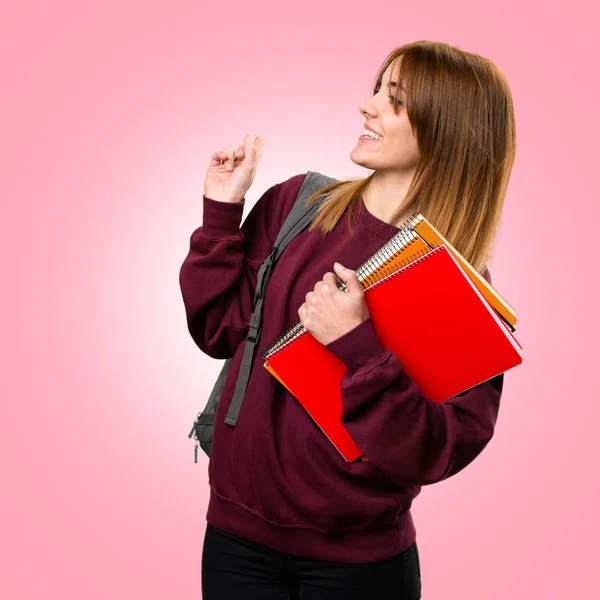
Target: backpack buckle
(253,335)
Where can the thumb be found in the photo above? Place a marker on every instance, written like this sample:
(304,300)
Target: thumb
(349,277)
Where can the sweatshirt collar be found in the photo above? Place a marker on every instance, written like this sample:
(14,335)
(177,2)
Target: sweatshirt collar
(378,227)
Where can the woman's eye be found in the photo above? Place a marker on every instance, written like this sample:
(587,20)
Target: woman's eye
(392,100)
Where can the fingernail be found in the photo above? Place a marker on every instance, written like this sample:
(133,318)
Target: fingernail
(229,167)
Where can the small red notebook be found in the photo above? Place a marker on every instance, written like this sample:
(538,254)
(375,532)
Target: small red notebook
(431,315)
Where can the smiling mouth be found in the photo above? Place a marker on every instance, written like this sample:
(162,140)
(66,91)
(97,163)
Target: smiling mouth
(369,135)
(367,138)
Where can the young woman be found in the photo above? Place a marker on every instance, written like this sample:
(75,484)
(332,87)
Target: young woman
(288,516)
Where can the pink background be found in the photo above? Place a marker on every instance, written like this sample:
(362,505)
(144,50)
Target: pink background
(109,114)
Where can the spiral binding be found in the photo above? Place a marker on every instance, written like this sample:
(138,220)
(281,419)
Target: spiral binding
(423,255)
(374,265)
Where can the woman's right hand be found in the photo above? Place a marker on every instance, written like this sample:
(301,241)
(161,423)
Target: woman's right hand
(229,182)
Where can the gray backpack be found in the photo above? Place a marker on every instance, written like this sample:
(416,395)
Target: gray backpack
(297,220)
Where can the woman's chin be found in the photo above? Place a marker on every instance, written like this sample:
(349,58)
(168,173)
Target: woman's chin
(360,158)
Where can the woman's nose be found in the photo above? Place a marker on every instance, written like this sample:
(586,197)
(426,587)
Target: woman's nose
(363,109)
(367,108)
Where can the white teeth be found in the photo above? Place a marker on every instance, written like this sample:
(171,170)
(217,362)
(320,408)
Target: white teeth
(371,134)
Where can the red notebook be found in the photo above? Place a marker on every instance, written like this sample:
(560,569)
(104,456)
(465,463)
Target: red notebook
(430,314)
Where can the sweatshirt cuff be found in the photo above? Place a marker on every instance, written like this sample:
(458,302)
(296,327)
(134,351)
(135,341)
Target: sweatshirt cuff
(221,219)
(359,348)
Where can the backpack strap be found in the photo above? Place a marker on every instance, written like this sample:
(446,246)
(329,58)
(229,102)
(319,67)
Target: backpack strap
(297,220)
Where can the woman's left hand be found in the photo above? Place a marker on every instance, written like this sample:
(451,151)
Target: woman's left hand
(329,313)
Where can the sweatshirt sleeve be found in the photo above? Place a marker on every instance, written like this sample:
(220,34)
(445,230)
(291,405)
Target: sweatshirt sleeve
(219,274)
(412,439)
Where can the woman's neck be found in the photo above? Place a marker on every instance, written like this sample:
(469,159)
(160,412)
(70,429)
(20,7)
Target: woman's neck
(383,197)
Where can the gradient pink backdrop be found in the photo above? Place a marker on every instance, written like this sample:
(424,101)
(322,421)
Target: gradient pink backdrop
(109,114)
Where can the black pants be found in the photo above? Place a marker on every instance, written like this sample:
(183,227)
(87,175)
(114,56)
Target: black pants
(235,568)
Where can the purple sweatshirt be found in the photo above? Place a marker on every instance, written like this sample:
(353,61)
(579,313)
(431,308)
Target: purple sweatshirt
(275,478)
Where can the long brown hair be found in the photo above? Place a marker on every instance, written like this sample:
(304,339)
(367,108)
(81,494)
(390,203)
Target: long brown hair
(461,110)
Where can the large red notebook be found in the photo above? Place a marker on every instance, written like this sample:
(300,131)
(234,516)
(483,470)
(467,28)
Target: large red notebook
(432,316)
